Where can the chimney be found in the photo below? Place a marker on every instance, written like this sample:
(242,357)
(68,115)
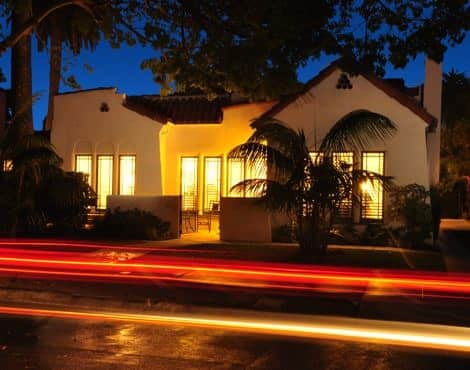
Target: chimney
(432,102)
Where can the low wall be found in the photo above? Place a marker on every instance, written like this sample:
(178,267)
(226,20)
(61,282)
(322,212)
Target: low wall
(243,220)
(165,207)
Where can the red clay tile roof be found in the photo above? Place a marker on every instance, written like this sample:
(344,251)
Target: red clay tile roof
(179,109)
(388,88)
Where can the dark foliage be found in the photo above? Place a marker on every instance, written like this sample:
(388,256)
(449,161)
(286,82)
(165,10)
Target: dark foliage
(412,209)
(132,224)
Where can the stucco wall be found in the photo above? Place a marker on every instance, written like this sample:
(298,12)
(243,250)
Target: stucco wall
(324,105)
(243,220)
(80,127)
(202,140)
(165,207)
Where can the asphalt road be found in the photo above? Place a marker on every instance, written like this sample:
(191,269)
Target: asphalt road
(42,343)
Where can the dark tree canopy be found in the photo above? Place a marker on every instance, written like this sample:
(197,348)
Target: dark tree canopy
(255,48)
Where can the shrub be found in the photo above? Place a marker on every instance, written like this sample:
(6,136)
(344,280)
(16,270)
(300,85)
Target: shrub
(411,209)
(64,199)
(284,234)
(376,234)
(132,224)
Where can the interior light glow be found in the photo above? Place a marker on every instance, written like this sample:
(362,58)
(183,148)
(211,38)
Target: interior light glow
(127,174)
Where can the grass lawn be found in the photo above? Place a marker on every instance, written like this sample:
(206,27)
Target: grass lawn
(377,257)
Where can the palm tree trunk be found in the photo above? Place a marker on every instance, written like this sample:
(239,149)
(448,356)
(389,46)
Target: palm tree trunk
(21,71)
(54,70)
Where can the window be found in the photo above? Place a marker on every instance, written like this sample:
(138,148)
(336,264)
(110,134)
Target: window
(104,185)
(239,170)
(127,174)
(212,169)
(236,174)
(83,164)
(316,157)
(189,179)
(372,190)
(254,171)
(344,161)
(7,165)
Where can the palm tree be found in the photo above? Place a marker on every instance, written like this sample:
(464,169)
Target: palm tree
(34,190)
(307,189)
(29,158)
(71,26)
(21,70)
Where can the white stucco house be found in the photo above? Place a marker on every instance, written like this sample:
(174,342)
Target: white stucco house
(136,148)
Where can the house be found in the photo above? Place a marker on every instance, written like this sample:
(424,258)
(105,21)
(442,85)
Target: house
(137,148)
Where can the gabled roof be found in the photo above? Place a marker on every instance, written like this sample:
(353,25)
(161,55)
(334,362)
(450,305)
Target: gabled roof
(180,109)
(387,87)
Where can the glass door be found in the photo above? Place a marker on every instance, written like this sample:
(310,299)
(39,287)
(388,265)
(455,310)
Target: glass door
(189,179)
(212,176)
(104,185)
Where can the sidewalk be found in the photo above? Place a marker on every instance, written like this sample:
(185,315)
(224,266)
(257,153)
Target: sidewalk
(454,241)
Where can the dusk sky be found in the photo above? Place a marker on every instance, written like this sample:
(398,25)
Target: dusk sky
(121,68)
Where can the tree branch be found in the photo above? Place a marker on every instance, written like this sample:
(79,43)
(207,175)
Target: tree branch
(28,27)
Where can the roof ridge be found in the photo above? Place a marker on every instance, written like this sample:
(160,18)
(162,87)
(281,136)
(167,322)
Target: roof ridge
(378,82)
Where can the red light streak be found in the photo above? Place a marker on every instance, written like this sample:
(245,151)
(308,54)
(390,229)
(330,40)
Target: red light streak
(63,265)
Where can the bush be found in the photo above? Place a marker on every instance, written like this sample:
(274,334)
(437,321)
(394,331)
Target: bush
(64,199)
(410,208)
(284,234)
(133,224)
(376,234)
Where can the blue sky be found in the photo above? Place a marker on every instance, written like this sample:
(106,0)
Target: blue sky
(121,68)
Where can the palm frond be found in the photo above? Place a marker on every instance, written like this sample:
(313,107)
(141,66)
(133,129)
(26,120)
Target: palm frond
(356,131)
(281,137)
(386,182)
(258,156)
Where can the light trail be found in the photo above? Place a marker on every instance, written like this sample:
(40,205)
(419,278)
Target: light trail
(32,243)
(224,273)
(315,275)
(428,336)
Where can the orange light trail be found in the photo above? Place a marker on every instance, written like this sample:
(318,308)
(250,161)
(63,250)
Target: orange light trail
(428,336)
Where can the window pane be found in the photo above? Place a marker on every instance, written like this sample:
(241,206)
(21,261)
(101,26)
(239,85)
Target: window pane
(83,164)
(236,174)
(212,167)
(127,175)
(258,170)
(105,179)
(189,180)
(372,190)
(316,157)
(7,165)
(344,161)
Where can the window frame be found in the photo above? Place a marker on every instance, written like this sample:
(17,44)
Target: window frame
(366,220)
(350,214)
(196,202)
(90,175)
(220,175)
(120,172)
(98,156)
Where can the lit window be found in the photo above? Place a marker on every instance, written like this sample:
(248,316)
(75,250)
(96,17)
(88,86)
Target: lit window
(105,179)
(255,171)
(344,161)
(83,164)
(127,174)
(212,167)
(236,174)
(316,157)
(372,190)
(189,179)
(7,165)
